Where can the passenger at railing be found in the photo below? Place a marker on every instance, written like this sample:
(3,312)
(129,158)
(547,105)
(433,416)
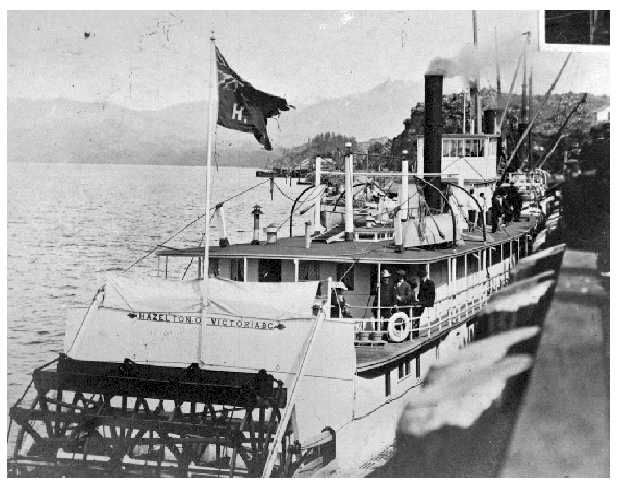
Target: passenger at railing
(518,204)
(481,219)
(337,303)
(514,202)
(402,291)
(426,296)
(473,210)
(346,312)
(496,211)
(386,301)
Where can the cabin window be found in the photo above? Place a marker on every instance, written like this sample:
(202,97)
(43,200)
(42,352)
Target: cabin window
(388,383)
(404,369)
(472,263)
(269,270)
(373,280)
(417,366)
(236,269)
(345,273)
(496,255)
(506,248)
(309,270)
(214,267)
(460,267)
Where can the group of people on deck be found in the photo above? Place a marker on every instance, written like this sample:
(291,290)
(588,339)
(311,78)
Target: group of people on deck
(393,295)
(506,202)
(399,295)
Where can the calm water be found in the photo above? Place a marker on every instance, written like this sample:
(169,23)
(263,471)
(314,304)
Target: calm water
(68,221)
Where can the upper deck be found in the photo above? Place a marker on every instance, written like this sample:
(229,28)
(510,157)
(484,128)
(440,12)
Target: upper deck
(381,252)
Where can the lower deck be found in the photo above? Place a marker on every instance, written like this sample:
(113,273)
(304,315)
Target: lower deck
(370,358)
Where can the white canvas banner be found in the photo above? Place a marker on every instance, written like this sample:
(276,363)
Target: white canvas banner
(262,300)
(151,294)
(273,301)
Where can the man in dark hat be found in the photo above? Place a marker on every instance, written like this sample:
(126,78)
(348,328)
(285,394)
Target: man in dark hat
(402,290)
(496,211)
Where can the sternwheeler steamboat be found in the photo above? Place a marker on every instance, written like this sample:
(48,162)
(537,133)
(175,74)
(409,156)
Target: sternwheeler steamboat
(284,354)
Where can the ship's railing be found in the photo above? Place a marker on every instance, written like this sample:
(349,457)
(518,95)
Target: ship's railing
(447,311)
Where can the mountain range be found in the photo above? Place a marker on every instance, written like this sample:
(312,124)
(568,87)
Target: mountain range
(60,130)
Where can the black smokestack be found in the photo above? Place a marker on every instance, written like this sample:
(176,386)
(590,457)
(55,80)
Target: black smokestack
(433,126)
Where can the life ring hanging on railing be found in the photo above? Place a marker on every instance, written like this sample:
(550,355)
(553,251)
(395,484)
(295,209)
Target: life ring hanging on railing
(395,334)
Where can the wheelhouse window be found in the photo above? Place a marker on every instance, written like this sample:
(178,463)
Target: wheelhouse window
(463,148)
(345,273)
(309,270)
(236,269)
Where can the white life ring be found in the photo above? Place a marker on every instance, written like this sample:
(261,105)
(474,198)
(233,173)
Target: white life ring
(398,335)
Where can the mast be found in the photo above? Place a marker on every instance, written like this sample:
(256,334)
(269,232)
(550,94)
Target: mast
(542,104)
(524,89)
(212,115)
(523,121)
(559,135)
(478,96)
(529,117)
(498,78)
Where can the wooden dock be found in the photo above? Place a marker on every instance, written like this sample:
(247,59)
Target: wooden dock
(563,426)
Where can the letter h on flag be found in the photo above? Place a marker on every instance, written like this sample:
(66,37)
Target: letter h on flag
(242,107)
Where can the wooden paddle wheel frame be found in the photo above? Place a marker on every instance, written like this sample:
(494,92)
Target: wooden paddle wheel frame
(117,420)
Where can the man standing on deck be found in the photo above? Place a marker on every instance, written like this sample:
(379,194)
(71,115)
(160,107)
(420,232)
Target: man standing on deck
(472,210)
(402,290)
(427,292)
(496,211)
(514,202)
(386,296)
(518,204)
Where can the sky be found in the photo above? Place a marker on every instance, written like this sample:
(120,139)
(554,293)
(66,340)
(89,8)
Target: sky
(147,60)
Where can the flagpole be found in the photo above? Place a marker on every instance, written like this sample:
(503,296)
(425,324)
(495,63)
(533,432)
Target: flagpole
(213,98)
(212,115)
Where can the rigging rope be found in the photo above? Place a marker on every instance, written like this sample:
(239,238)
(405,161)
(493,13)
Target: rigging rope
(193,222)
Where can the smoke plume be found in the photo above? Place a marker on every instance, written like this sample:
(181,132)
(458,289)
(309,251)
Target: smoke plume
(472,62)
